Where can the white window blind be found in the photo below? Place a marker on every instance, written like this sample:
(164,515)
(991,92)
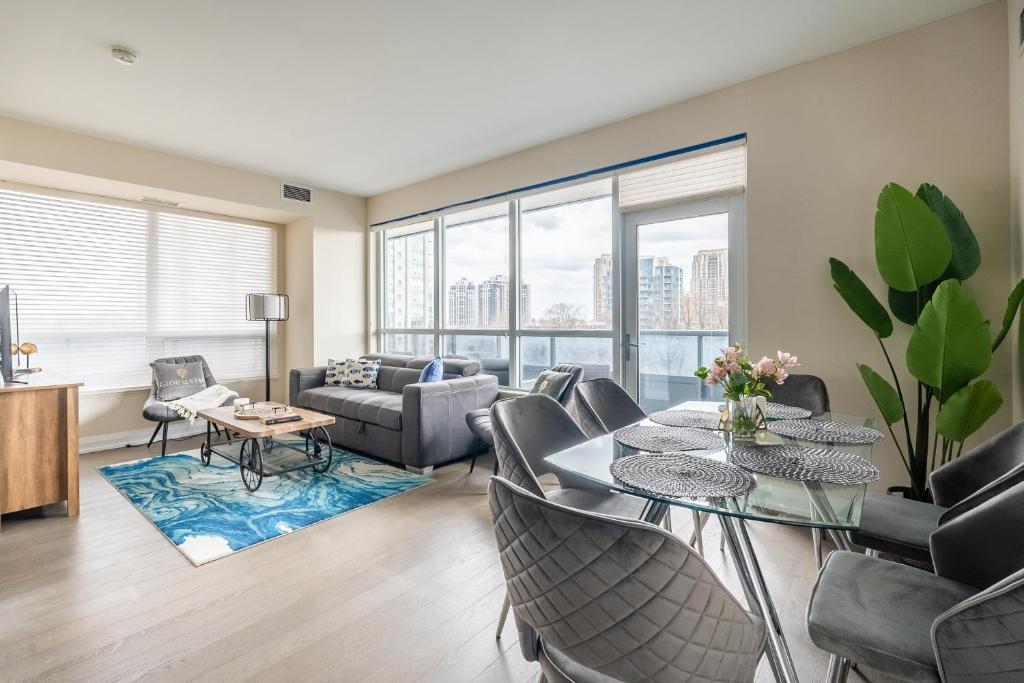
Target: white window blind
(104,289)
(703,175)
(201,269)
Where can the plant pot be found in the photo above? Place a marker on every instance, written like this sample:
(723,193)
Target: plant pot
(744,417)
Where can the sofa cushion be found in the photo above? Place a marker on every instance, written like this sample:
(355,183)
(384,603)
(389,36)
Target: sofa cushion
(377,407)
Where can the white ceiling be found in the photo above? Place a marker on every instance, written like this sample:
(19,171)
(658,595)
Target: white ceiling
(366,96)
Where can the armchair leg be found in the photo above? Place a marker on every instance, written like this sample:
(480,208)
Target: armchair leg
(472,463)
(155,432)
(163,440)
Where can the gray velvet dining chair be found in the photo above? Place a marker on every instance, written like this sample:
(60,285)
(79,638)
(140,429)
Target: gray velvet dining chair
(802,391)
(901,527)
(479,420)
(529,428)
(964,622)
(154,410)
(601,406)
(598,599)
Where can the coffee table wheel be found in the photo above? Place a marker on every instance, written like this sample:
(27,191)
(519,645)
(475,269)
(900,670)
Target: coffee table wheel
(250,464)
(204,454)
(322,448)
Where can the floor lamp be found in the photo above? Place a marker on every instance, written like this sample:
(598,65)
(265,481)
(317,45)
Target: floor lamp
(268,308)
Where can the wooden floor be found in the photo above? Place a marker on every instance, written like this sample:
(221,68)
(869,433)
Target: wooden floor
(407,589)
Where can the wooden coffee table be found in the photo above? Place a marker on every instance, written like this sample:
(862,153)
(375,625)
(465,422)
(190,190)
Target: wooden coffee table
(262,450)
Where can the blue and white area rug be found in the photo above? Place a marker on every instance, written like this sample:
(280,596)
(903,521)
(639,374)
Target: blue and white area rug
(207,513)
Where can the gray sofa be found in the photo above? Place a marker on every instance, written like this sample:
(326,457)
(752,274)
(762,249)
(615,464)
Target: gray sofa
(402,421)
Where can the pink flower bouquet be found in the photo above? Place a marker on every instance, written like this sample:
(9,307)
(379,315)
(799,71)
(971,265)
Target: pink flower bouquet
(739,376)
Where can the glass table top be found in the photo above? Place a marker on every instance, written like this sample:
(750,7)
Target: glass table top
(783,501)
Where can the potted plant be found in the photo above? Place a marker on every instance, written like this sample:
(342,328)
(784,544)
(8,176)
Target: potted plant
(925,250)
(743,381)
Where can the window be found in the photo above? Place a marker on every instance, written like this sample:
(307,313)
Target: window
(103,289)
(476,268)
(540,279)
(409,255)
(566,246)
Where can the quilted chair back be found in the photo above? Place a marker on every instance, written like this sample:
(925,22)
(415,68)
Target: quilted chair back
(999,460)
(526,430)
(622,598)
(182,360)
(602,406)
(802,391)
(576,374)
(982,638)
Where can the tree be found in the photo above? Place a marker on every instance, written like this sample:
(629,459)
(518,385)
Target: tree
(564,316)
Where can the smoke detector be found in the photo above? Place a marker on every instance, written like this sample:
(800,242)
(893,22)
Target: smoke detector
(123,55)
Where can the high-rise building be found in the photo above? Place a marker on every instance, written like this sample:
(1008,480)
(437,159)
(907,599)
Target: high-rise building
(660,293)
(604,288)
(410,268)
(462,304)
(485,305)
(709,286)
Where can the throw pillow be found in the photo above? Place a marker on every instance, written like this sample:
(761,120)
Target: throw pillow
(551,383)
(177,380)
(357,374)
(434,371)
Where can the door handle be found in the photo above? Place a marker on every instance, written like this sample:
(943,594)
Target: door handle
(627,345)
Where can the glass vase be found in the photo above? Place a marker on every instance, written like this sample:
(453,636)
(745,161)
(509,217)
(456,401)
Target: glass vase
(744,417)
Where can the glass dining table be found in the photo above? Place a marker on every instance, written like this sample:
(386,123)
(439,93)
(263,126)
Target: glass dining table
(830,508)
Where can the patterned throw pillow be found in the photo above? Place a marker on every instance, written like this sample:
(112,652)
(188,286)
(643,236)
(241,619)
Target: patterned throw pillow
(434,371)
(357,374)
(177,380)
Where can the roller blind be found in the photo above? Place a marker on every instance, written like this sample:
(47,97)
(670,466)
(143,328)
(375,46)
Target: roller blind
(104,289)
(702,175)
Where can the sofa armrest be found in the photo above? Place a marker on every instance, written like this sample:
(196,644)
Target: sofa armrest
(300,379)
(434,428)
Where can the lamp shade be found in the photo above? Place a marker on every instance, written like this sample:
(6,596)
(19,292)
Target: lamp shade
(266,307)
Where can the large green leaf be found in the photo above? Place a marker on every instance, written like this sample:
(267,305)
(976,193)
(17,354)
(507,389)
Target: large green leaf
(967,410)
(886,398)
(950,344)
(1012,304)
(906,306)
(860,299)
(966,256)
(911,247)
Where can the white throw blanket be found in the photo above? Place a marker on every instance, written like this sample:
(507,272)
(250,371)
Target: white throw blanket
(210,397)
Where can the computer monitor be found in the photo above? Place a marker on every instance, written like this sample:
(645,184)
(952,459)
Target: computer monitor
(6,340)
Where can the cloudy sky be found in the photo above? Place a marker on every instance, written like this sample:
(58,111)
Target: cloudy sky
(559,246)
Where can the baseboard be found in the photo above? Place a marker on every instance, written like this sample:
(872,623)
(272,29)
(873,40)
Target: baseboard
(137,437)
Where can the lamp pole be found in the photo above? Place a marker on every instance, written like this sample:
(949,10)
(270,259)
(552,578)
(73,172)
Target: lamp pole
(266,353)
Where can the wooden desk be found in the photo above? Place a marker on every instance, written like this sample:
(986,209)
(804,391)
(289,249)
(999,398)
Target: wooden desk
(39,443)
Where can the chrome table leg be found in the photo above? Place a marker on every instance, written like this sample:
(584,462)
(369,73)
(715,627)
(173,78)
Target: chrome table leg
(758,597)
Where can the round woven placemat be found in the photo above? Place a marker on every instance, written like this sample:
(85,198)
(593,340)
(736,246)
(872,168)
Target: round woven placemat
(657,439)
(825,431)
(805,464)
(779,411)
(680,475)
(701,419)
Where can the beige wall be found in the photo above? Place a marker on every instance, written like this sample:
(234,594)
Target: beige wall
(1014,9)
(930,105)
(320,284)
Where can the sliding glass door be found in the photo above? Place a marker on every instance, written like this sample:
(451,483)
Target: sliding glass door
(683,296)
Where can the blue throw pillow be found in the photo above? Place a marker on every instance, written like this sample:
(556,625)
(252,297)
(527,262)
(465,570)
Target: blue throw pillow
(434,371)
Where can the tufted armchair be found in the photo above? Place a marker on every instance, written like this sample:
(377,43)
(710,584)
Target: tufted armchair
(157,411)
(598,599)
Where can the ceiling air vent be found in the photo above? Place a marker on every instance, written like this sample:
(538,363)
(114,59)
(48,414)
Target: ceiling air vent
(296,193)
